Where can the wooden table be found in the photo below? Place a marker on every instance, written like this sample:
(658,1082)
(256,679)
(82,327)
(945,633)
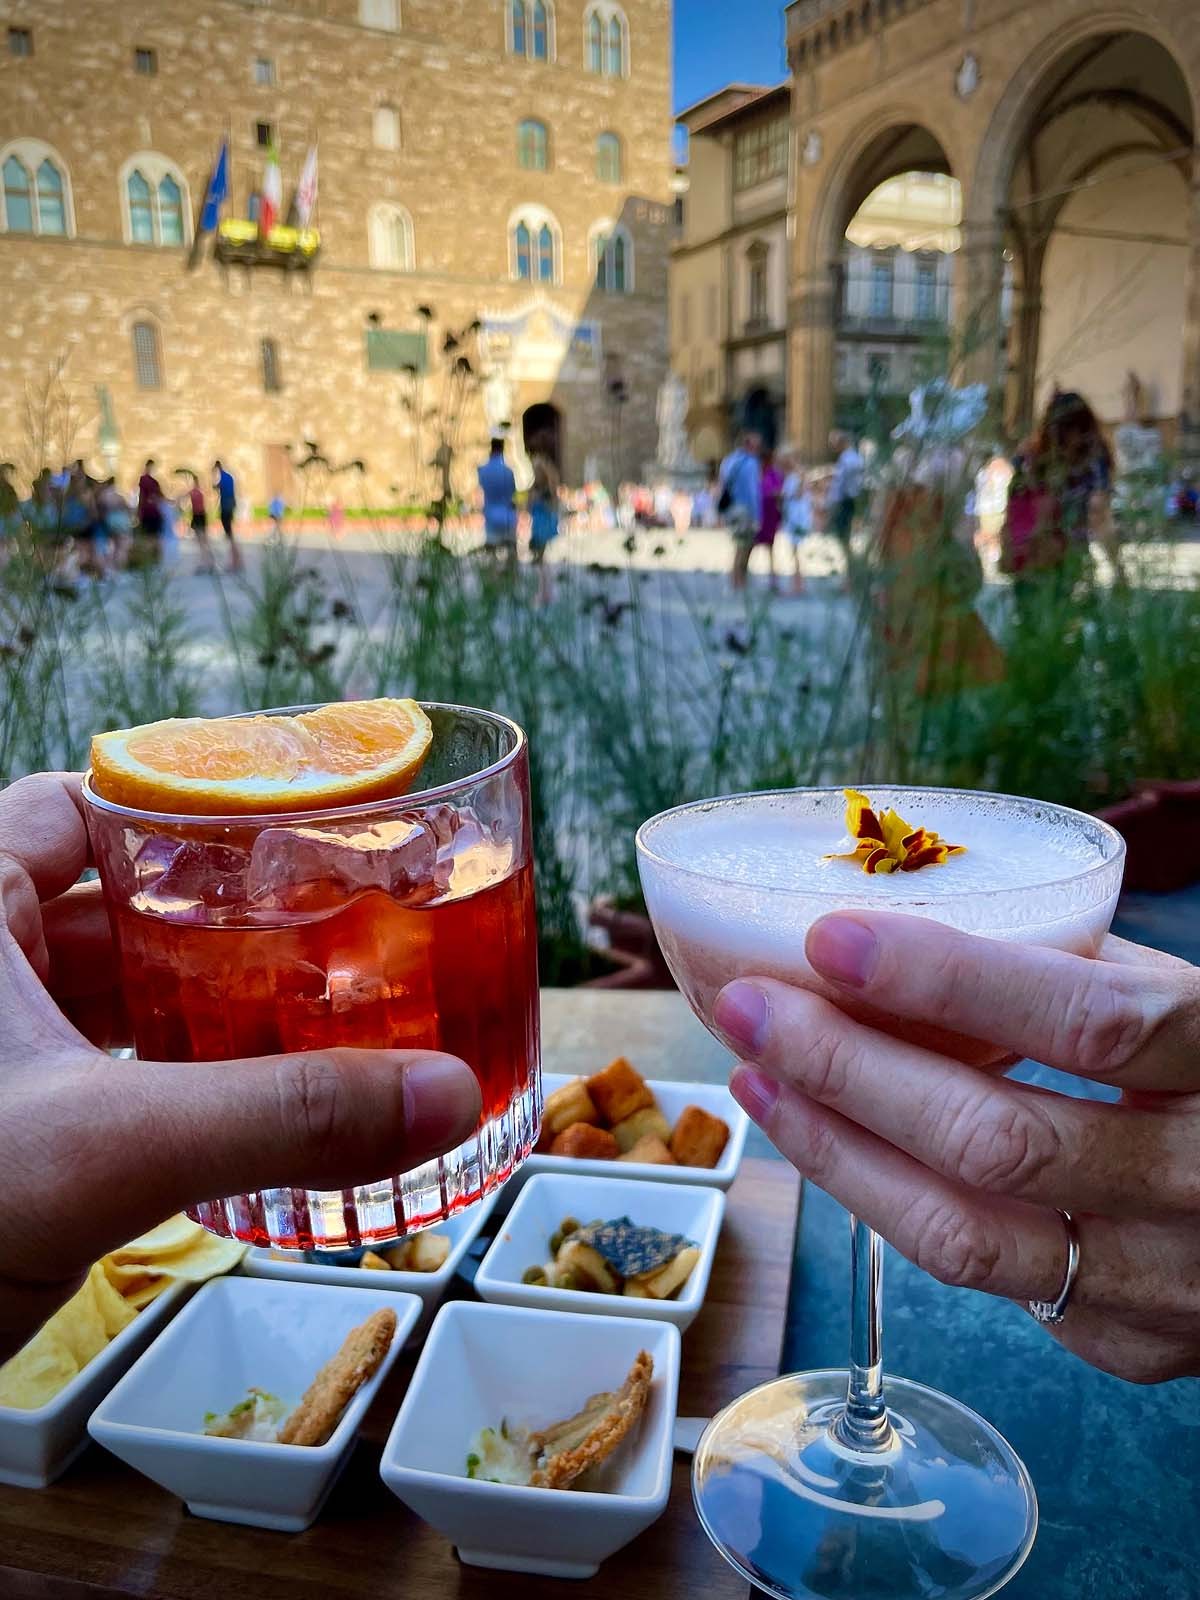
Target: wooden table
(104,1532)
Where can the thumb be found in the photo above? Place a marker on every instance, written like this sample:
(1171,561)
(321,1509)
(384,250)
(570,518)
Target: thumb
(323,1119)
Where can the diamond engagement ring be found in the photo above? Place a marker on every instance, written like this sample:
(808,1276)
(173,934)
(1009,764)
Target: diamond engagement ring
(1051,1312)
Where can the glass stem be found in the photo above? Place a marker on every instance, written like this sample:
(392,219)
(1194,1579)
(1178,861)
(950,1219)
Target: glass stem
(864,1423)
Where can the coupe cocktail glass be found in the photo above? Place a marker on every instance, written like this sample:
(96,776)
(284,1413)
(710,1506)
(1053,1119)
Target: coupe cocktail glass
(841,1484)
(403,924)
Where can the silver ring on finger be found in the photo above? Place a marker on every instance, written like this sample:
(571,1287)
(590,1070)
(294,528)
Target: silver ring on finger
(1051,1312)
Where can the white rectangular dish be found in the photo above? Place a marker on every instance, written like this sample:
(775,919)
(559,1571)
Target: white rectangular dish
(38,1446)
(485,1363)
(549,1197)
(672,1098)
(429,1287)
(238,1333)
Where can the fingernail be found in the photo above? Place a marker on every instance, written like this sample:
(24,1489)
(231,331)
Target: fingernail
(741,1013)
(757,1094)
(844,949)
(441,1102)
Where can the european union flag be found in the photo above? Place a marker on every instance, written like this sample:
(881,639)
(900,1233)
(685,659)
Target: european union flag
(217,193)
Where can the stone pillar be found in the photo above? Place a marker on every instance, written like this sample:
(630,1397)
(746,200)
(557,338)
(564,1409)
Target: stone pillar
(978,309)
(1189,406)
(1027,339)
(812,325)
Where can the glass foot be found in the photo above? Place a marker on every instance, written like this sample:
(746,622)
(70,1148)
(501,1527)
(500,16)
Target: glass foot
(946,1511)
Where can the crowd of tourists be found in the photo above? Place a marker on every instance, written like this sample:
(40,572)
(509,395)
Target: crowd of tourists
(760,494)
(90,527)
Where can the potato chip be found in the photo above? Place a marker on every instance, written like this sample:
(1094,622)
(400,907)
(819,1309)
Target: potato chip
(115,1311)
(116,1288)
(79,1325)
(38,1371)
(176,1233)
(175,1249)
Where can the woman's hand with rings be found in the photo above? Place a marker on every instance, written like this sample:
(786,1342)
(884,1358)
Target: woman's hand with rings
(966,1172)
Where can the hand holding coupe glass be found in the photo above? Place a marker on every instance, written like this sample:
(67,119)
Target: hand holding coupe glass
(964,1173)
(826,1484)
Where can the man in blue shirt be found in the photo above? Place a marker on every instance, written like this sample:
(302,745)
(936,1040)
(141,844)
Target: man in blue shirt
(499,504)
(227,500)
(740,501)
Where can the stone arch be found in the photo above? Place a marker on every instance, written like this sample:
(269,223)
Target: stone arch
(860,167)
(903,138)
(1102,76)
(985,198)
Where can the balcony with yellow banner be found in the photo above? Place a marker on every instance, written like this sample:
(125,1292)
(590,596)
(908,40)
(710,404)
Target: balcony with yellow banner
(240,242)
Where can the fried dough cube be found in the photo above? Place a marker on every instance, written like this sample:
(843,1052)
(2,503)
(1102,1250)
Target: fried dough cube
(586,1143)
(619,1091)
(427,1252)
(587,1267)
(374,1263)
(634,1290)
(661,1285)
(649,1120)
(699,1138)
(570,1104)
(651,1150)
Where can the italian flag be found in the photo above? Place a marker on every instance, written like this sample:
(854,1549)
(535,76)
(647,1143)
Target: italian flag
(270,202)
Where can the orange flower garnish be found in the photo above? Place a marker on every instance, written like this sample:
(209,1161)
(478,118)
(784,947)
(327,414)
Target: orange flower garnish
(889,844)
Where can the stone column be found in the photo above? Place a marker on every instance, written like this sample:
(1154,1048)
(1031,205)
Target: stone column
(812,325)
(1189,407)
(979,288)
(1027,338)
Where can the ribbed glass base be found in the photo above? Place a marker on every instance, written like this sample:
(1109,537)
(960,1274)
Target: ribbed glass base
(374,1213)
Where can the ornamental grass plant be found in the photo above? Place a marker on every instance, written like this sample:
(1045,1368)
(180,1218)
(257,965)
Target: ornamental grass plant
(641,684)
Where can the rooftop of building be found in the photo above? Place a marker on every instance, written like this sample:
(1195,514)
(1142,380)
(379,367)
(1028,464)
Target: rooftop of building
(731,102)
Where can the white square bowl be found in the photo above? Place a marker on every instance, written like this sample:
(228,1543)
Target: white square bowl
(483,1363)
(236,1333)
(672,1098)
(524,1241)
(38,1446)
(429,1287)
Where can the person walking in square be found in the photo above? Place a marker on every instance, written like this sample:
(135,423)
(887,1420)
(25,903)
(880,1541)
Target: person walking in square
(499,487)
(797,503)
(845,490)
(771,489)
(543,519)
(149,507)
(198,510)
(740,502)
(227,506)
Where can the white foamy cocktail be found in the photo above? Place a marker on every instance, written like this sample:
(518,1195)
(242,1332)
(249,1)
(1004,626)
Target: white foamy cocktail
(733,885)
(832,1485)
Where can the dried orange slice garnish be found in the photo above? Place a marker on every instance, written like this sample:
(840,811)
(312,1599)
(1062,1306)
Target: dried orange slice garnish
(886,843)
(339,755)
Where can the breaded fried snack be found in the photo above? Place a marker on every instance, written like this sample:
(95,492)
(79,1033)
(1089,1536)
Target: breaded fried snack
(699,1138)
(619,1091)
(586,1143)
(339,1380)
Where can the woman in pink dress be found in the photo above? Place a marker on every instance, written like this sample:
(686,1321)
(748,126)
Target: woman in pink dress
(772,490)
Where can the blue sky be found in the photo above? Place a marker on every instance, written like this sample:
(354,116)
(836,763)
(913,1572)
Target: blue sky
(718,41)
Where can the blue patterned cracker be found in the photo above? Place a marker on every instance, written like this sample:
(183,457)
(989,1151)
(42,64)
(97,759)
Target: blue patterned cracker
(629,1249)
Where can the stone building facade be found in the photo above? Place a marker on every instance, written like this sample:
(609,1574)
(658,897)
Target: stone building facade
(894,305)
(500,160)
(729,268)
(1071,127)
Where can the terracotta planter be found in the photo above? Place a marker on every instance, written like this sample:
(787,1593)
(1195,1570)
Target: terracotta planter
(1161,828)
(631,934)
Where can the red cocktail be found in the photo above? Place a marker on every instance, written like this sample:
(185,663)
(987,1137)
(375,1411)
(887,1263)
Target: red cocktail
(405,923)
